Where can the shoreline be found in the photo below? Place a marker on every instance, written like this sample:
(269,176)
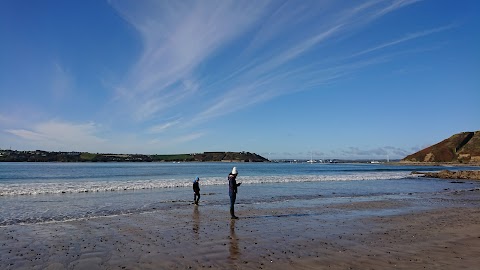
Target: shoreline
(433,231)
(452,164)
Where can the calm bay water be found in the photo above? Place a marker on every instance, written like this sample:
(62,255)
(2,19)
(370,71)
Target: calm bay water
(43,192)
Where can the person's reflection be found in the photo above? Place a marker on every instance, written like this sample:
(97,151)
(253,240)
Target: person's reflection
(234,251)
(196,221)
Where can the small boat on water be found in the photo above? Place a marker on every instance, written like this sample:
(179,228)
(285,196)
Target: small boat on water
(311,158)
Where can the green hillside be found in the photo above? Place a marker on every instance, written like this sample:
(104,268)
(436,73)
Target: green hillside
(46,156)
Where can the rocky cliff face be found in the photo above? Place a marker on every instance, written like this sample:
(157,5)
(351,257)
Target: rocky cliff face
(460,148)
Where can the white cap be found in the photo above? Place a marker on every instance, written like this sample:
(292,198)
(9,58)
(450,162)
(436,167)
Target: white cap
(234,170)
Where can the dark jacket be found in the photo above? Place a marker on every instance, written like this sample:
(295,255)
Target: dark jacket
(232,184)
(196,187)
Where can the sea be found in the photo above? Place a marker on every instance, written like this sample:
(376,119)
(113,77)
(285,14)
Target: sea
(58,192)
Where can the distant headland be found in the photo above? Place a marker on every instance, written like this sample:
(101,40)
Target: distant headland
(462,148)
(48,156)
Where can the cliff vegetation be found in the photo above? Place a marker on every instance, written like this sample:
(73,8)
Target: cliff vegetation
(460,148)
(46,156)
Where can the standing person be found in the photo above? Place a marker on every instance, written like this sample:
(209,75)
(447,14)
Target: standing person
(232,191)
(196,190)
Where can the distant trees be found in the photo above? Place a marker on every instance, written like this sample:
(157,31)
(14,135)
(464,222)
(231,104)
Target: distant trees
(45,156)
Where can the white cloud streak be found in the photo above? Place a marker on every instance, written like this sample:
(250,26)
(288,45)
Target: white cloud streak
(178,36)
(182,37)
(394,5)
(177,140)
(55,134)
(405,39)
(62,82)
(163,127)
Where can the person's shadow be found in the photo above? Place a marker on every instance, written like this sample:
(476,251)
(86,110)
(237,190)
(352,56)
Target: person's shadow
(196,222)
(234,251)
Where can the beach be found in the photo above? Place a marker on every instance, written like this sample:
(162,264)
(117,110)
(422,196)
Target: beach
(426,231)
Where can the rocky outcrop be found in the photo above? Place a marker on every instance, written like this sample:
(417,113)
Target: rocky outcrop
(446,174)
(460,148)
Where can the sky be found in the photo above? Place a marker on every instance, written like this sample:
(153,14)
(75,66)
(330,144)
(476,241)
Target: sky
(315,79)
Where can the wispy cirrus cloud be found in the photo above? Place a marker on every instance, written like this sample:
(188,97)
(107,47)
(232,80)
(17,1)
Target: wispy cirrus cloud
(61,82)
(406,38)
(159,142)
(64,136)
(160,128)
(178,36)
(183,38)
(392,6)
(57,134)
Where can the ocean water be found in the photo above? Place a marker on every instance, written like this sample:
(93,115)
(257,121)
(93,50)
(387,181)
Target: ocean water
(55,192)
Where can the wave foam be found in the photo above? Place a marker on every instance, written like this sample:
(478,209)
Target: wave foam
(111,186)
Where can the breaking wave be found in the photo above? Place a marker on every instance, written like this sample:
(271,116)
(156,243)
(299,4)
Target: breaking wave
(14,189)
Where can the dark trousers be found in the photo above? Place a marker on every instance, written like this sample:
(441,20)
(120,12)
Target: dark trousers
(196,197)
(233,197)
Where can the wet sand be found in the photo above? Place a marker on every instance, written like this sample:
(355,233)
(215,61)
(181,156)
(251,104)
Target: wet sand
(436,232)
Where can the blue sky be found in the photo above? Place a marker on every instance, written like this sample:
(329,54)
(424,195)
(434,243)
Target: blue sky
(284,79)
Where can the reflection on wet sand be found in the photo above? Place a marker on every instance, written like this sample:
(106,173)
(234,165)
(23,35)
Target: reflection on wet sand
(234,251)
(196,221)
